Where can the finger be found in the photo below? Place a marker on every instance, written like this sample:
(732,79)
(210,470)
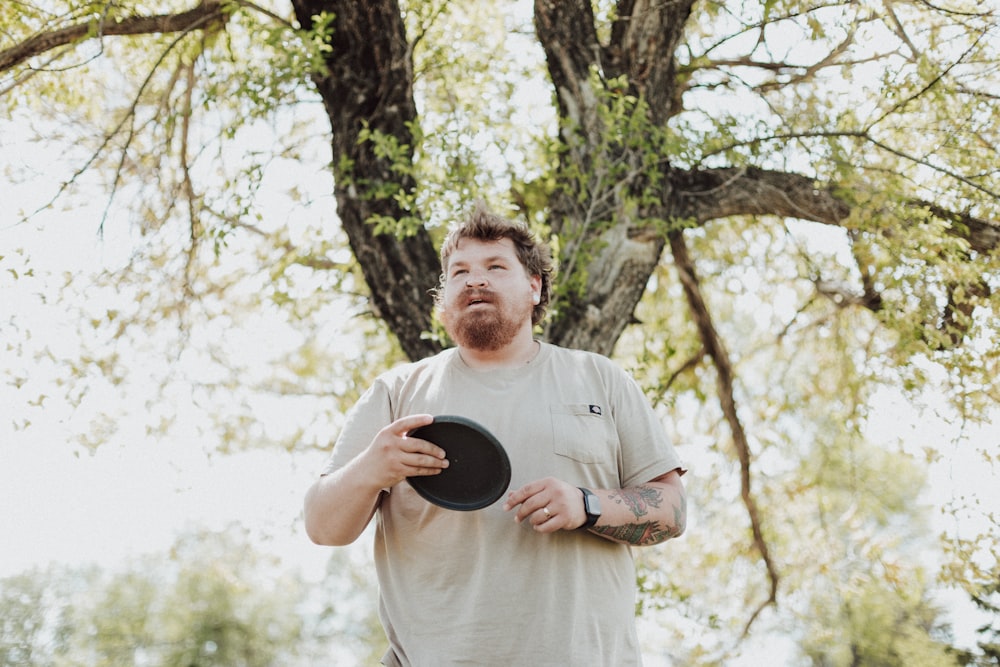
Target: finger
(549,523)
(425,472)
(516,499)
(431,463)
(519,496)
(533,509)
(422,448)
(522,512)
(392,456)
(540,516)
(404,425)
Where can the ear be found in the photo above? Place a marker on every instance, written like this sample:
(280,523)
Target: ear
(536,289)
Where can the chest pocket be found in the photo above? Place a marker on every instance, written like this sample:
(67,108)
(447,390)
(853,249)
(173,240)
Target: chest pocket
(583,433)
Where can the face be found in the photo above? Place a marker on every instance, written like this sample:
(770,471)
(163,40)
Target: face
(488,296)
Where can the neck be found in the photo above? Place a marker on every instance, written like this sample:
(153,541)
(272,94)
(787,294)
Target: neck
(522,350)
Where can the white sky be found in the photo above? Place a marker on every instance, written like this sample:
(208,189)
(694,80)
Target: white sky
(132,496)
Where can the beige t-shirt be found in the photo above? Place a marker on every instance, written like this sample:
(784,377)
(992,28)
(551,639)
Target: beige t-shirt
(476,588)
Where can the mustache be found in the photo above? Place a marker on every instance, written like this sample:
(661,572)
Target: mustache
(478,294)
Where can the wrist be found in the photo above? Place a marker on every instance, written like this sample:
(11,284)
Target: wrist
(591,508)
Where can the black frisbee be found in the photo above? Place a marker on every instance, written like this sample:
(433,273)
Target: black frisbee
(478,471)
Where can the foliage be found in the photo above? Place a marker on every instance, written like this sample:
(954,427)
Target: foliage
(866,623)
(231,305)
(215,599)
(29,625)
(974,566)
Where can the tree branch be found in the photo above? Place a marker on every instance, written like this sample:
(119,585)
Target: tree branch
(711,194)
(725,382)
(567,34)
(983,235)
(207,12)
(704,195)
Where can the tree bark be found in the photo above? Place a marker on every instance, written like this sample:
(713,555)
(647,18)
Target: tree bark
(608,264)
(369,83)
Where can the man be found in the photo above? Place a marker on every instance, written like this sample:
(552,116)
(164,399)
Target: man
(546,577)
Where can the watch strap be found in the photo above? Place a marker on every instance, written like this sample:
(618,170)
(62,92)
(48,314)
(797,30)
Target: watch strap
(592,506)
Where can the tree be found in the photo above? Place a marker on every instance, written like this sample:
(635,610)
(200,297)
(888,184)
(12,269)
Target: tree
(688,144)
(978,554)
(215,599)
(870,626)
(23,629)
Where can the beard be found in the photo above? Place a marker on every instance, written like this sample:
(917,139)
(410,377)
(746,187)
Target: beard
(487,330)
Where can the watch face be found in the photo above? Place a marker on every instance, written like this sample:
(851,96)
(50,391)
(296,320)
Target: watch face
(592,506)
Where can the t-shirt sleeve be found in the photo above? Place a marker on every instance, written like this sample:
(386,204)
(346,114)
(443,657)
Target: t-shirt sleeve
(646,450)
(366,418)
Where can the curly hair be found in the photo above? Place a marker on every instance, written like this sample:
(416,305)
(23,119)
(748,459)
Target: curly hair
(484,225)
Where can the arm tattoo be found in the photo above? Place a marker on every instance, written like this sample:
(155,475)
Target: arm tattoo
(638,534)
(642,533)
(639,499)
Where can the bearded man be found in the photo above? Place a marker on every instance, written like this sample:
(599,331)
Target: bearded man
(547,577)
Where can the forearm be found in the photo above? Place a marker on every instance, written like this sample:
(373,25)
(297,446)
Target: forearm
(339,506)
(643,515)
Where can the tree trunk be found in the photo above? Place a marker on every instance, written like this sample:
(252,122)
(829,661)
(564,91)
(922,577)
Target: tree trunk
(612,223)
(369,84)
(617,195)
(604,261)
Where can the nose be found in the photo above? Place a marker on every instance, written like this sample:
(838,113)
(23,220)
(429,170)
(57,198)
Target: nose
(475,279)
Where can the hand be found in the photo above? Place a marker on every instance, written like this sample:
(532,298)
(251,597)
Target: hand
(548,504)
(392,456)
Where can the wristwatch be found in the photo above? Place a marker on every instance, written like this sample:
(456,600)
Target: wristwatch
(592,506)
